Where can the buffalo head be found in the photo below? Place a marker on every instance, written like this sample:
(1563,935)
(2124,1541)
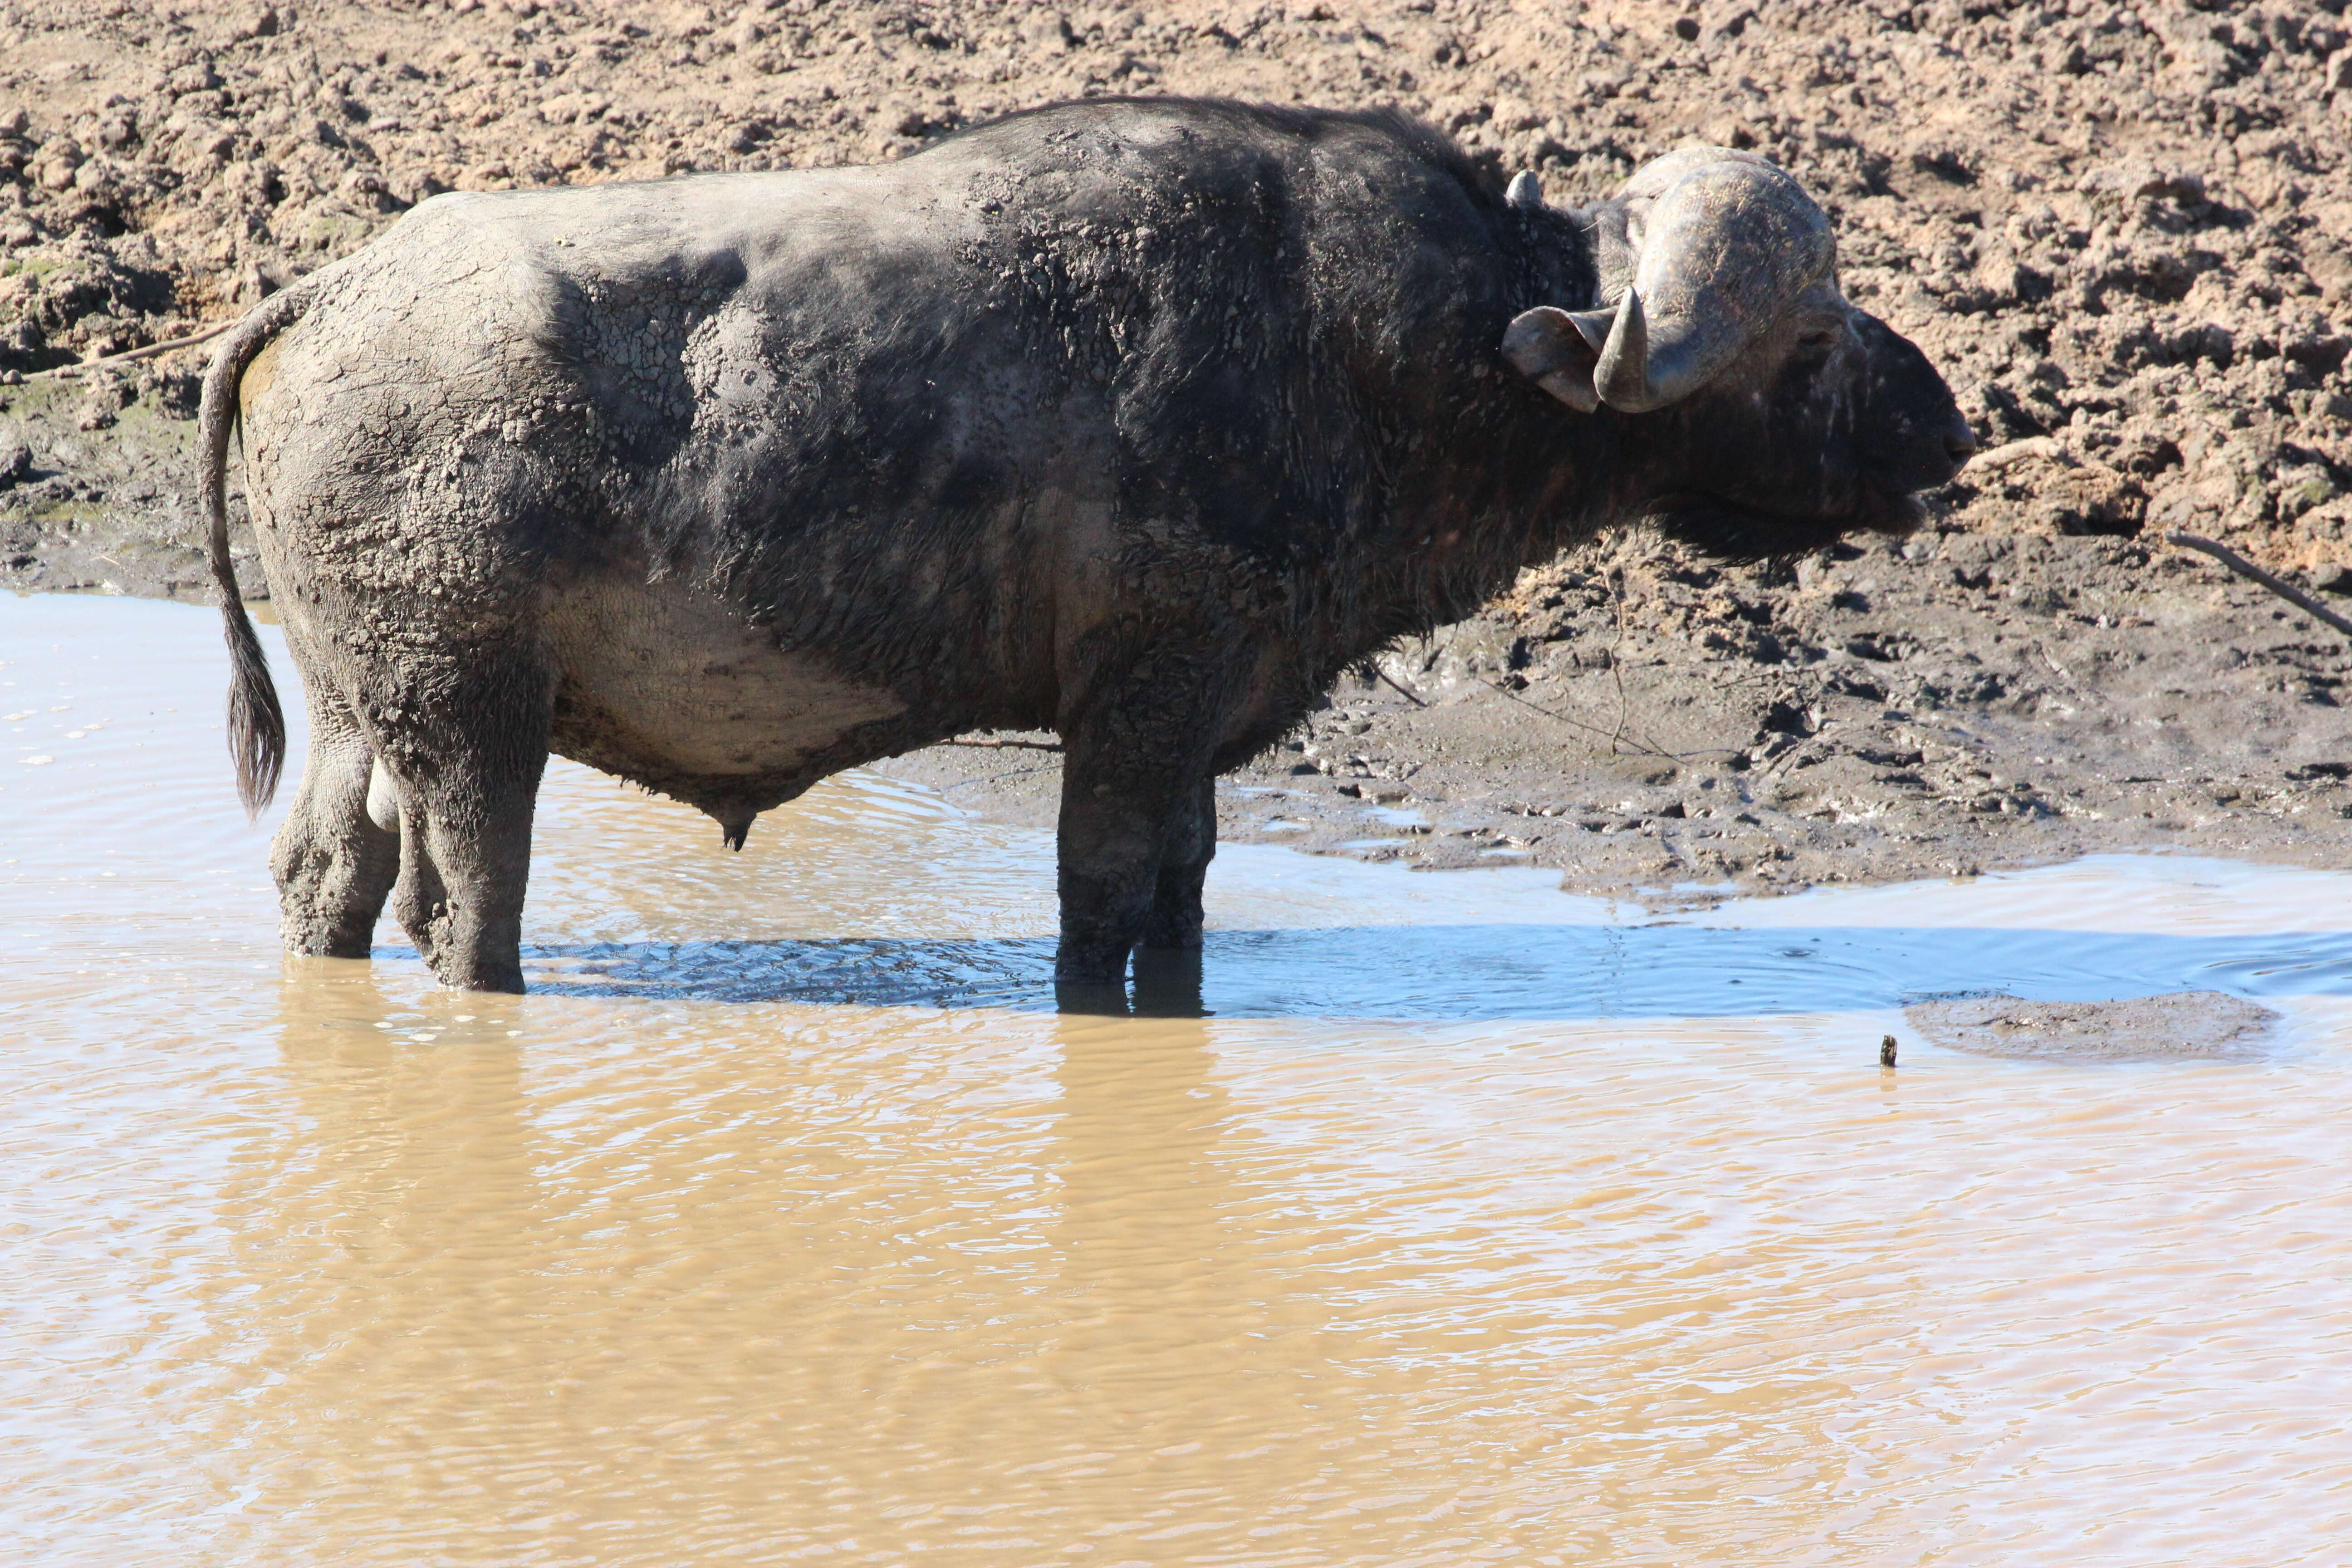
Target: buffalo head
(1766,414)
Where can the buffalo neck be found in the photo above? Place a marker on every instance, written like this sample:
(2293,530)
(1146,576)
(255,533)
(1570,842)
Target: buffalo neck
(1489,473)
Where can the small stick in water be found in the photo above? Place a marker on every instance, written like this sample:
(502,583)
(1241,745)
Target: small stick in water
(1886,1051)
(2254,574)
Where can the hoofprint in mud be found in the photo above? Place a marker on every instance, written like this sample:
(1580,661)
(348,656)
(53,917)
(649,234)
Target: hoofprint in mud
(1140,421)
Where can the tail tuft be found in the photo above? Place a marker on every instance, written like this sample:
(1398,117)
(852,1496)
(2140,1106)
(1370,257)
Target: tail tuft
(256,725)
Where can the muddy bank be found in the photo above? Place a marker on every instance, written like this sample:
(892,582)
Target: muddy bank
(1942,706)
(2185,1025)
(2125,234)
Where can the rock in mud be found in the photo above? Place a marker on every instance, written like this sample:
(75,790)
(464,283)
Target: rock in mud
(2185,1025)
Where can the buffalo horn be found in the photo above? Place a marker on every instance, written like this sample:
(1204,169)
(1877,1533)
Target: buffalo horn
(1725,243)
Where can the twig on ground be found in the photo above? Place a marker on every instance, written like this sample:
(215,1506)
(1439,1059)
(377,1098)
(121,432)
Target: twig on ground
(1646,748)
(999,743)
(1407,693)
(1617,657)
(1501,691)
(993,778)
(2254,574)
(150,351)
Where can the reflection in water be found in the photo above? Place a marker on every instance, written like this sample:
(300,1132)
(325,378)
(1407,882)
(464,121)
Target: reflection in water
(393,1346)
(1434,1220)
(991,1291)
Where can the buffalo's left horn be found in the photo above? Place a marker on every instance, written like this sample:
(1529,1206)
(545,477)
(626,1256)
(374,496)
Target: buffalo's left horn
(1727,243)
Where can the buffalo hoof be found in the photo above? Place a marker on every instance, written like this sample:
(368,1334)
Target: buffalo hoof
(1081,961)
(1090,999)
(504,977)
(1168,982)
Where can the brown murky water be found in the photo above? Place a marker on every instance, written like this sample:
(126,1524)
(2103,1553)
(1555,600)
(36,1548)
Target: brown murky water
(787,1222)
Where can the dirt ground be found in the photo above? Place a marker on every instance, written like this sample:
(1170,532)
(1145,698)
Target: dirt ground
(2125,232)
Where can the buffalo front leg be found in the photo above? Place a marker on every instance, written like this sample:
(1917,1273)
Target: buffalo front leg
(1174,921)
(333,864)
(467,773)
(1133,836)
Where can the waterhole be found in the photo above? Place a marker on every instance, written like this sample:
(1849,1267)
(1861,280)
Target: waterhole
(1445,1219)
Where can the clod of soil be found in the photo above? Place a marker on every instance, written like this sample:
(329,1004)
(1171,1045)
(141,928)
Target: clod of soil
(2185,1025)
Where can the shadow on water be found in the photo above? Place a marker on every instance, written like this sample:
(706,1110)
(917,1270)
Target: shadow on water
(1471,972)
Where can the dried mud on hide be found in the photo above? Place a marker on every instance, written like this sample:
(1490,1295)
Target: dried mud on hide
(2185,1025)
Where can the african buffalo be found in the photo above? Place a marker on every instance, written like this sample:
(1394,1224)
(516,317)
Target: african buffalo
(1137,420)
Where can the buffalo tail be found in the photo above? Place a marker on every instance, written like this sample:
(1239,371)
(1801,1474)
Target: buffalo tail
(256,725)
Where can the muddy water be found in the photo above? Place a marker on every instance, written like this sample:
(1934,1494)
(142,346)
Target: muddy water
(786,1221)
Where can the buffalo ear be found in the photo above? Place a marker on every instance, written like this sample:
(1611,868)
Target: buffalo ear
(1549,346)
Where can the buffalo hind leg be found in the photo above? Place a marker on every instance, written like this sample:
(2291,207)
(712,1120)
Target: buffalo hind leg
(333,865)
(468,780)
